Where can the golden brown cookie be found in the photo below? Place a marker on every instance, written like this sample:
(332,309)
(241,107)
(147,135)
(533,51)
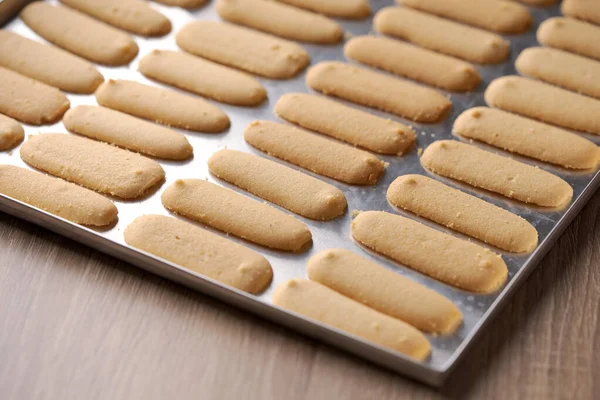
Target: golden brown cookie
(570,35)
(587,10)
(11,133)
(350,9)
(183,3)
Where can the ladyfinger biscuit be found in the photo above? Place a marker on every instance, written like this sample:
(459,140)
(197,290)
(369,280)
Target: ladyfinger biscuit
(383,290)
(560,68)
(202,77)
(80,34)
(454,261)
(234,214)
(47,64)
(377,90)
(587,10)
(165,106)
(183,3)
(570,35)
(243,48)
(442,36)
(350,9)
(493,15)
(463,213)
(315,153)
(345,123)
(288,188)
(544,102)
(280,20)
(544,3)
(322,304)
(489,171)
(413,62)
(30,101)
(527,137)
(56,196)
(11,133)
(95,165)
(200,251)
(129,132)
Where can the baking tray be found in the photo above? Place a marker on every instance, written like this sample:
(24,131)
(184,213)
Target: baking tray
(478,310)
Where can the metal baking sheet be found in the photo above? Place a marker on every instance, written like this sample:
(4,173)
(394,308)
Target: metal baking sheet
(477,309)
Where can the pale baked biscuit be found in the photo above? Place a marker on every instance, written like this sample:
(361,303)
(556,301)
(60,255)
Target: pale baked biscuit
(200,251)
(129,132)
(544,102)
(56,196)
(134,16)
(438,34)
(544,3)
(377,90)
(570,35)
(454,261)
(356,127)
(413,62)
(165,106)
(280,20)
(95,165)
(234,214)
(560,68)
(202,77)
(183,3)
(243,48)
(315,153)
(11,133)
(322,304)
(494,15)
(80,34)
(587,10)
(527,137)
(47,64)
(383,290)
(288,188)
(30,101)
(350,9)
(495,173)
(463,213)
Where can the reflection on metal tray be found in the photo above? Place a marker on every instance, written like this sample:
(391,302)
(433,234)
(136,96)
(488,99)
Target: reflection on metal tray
(477,309)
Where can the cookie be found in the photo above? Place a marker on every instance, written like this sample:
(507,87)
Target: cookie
(489,171)
(200,251)
(353,126)
(237,215)
(570,71)
(541,3)
(11,133)
(493,15)
(30,101)
(128,132)
(56,196)
(442,36)
(47,64)
(318,302)
(183,3)
(454,261)
(95,165)
(243,48)
(383,290)
(315,153)
(527,137)
(413,62)
(570,35)
(80,34)
(349,9)
(463,213)
(281,20)
(377,90)
(134,16)
(202,77)
(297,192)
(544,102)
(587,10)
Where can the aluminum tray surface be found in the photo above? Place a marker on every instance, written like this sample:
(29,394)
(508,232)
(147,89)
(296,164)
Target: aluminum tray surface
(477,309)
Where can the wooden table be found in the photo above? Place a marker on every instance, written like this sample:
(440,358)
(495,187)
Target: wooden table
(76,324)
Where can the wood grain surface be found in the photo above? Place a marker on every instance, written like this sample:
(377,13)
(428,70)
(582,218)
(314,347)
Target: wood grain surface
(76,324)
